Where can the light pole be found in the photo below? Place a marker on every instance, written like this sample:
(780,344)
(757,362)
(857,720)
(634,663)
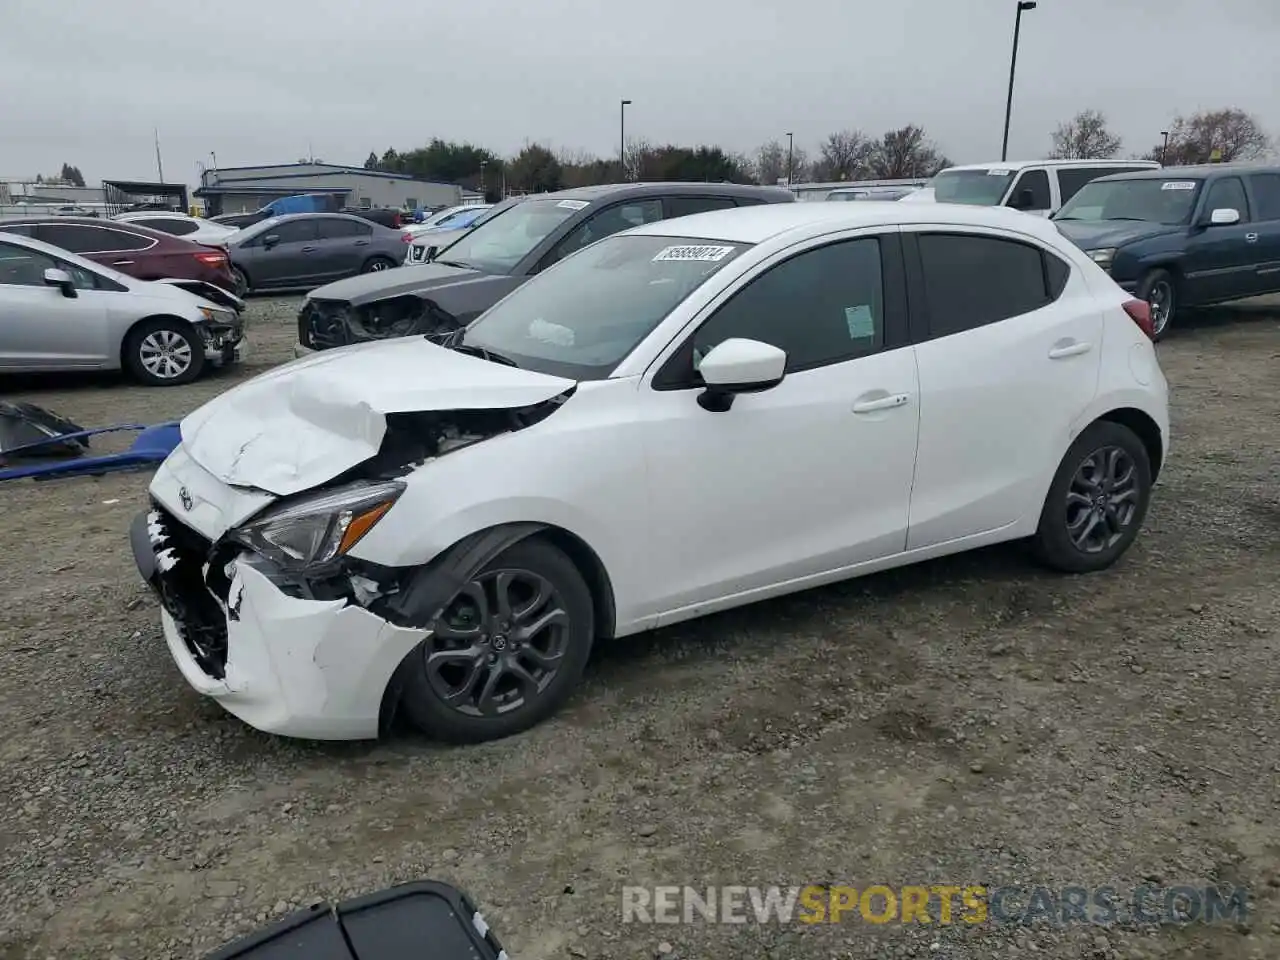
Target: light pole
(483,164)
(1013,63)
(1164,151)
(791,152)
(622,137)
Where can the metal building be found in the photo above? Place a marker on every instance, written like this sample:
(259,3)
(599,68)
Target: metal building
(245,189)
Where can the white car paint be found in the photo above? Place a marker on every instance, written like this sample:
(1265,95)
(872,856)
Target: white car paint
(205,231)
(434,221)
(46,331)
(837,471)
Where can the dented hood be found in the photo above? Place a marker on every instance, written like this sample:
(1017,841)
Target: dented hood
(306,422)
(410,278)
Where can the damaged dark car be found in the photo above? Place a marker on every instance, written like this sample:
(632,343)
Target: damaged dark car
(482,266)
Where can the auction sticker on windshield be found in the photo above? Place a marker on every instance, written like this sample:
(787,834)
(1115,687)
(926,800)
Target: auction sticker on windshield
(702,252)
(998,172)
(1178,185)
(573,204)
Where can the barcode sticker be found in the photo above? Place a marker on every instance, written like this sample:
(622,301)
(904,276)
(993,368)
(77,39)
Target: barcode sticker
(573,204)
(1178,185)
(705,253)
(998,172)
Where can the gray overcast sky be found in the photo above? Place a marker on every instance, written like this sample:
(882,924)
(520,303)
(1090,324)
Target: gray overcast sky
(265,81)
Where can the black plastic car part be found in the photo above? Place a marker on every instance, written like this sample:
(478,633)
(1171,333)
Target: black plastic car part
(426,920)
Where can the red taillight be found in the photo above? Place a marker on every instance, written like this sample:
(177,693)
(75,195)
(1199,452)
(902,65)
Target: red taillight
(406,237)
(396,222)
(212,259)
(1139,312)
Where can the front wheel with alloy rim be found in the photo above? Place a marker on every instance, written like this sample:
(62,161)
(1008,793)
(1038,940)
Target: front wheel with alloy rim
(164,353)
(1160,290)
(1097,501)
(377,264)
(506,652)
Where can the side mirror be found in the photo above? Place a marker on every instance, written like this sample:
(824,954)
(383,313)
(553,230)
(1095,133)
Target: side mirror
(738,366)
(270,241)
(54,277)
(1224,217)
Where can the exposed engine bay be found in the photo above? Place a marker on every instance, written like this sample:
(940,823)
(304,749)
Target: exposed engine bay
(323,324)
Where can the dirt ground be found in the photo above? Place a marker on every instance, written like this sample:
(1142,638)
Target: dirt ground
(968,721)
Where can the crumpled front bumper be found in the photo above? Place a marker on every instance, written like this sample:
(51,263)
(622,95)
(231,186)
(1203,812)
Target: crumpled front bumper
(314,669)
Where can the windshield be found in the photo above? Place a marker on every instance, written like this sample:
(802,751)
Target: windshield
(984,188)
(582,317)
(1150,200)
(498,243)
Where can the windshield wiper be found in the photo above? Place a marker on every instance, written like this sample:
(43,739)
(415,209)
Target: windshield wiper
(483,353)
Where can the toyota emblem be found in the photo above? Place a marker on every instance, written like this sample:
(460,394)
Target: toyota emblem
(185,496)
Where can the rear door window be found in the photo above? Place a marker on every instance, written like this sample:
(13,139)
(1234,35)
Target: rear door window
(686,206)
(171,225)
(1071,179)
(971,280)
(1266,195)
(82,238)
(335,228)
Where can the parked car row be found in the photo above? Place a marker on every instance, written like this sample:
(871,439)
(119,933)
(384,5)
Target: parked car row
(518,240)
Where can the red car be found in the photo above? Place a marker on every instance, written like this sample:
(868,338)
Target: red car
(130,248)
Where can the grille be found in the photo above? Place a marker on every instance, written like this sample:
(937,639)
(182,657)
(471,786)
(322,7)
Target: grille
(187,594)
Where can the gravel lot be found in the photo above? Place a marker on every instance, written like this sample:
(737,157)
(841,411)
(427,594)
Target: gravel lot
(972,720)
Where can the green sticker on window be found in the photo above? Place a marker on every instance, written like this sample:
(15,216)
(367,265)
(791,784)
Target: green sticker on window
(862,325)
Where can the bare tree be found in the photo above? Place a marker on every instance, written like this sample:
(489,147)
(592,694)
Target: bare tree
(1232,133)
(636,154)
(845,155)
(770,164)
(1085,137)
(905,153)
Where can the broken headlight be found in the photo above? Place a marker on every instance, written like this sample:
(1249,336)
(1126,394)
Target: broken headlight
(318,530)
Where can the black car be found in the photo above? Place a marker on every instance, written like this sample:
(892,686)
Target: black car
(1182,236)
(482,266)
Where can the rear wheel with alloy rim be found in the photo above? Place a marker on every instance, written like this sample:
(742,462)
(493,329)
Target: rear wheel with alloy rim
(240,280)
(1160,290)
(507,651)
(1097,501)
(377,264)
(164,353)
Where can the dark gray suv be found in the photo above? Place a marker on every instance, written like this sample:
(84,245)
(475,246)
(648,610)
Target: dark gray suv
(481,267)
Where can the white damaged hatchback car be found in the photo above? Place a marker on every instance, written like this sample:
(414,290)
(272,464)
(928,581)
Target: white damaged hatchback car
(689,416)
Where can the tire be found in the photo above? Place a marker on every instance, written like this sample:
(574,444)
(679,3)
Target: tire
(241,282)
(1067,505)
(163,353)
(377,264)
(466,648)
(1162,285)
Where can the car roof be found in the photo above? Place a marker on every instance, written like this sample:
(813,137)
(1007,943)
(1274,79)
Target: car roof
(1014,165)
(814,218)
(616,191)
(1203,170)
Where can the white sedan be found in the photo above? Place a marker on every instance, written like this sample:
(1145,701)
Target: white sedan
(195,229)
(693,415)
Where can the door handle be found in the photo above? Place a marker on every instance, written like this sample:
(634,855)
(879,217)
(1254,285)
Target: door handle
(121,263)
(881,403)
(362,243)
(1069,350)
(307,249)
(1250,237)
